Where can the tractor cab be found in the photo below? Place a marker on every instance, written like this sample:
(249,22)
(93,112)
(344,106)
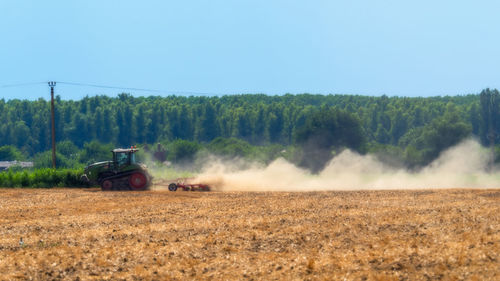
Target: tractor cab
(124,157)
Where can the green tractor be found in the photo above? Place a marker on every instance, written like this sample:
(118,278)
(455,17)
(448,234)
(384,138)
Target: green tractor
(123,173)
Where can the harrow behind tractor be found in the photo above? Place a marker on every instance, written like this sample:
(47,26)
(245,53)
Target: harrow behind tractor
(185,184)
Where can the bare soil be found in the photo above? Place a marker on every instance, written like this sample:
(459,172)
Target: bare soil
(86,234)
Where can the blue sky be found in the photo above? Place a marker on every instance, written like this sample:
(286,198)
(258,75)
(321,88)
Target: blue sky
(398,48)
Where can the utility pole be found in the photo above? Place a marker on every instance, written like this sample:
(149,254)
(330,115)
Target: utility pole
(52,84)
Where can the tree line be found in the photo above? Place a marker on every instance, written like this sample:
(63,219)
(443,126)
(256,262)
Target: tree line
(414,129)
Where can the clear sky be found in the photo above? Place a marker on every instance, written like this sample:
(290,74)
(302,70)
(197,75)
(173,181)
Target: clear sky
(403,48)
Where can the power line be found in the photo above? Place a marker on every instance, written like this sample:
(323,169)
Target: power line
(133,89)
(108,87)
(22,84)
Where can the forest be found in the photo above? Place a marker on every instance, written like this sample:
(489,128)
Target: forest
(409,131)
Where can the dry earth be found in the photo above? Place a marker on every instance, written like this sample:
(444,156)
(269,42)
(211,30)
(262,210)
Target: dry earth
(85,234)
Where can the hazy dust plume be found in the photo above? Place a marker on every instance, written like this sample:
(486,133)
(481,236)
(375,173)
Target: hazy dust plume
(463,166)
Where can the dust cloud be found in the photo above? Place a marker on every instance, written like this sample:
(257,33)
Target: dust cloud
(462,166)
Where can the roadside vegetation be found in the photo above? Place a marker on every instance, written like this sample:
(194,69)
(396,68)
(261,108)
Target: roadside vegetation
(42,178)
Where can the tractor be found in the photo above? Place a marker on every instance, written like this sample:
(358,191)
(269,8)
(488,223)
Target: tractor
(123,173)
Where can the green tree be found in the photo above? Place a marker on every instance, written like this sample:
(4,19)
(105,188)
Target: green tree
(490,115)
(229,147)
(182,150)
(326,130)
(95,151)
(207,128)
(11,153)
(441,134)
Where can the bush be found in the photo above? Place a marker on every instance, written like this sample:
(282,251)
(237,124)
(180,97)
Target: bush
(11,153)
(68,149)
(230,147)
(44,160)
(95,151)
(182,150)
(42,178)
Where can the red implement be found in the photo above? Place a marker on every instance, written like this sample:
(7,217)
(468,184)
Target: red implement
(183,183)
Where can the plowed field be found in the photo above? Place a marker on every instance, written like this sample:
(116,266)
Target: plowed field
(84,234)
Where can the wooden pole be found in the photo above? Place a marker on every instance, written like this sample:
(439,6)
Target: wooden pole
(53,122)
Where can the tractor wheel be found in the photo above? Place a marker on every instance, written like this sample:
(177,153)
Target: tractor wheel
(106,185)
(172,187)
(138,181)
